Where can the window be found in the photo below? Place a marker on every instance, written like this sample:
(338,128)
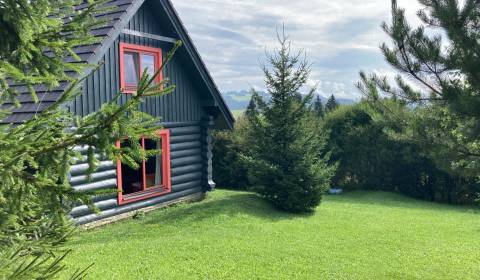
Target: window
(153,177)
(134,60)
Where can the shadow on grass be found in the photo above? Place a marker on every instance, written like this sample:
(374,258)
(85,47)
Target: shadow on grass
(232,205)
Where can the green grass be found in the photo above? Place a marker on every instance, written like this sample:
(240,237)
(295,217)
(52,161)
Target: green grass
(238,98)
(237,113)
(235,235)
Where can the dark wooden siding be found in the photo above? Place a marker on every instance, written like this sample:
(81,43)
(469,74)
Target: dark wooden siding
(183,105)
(181,112)
(189,170)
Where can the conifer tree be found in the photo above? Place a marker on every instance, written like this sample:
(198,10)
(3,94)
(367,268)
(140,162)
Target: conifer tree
(331,104)
(318,107)
(285,162)
(35,156)
(252,108)
(446,89)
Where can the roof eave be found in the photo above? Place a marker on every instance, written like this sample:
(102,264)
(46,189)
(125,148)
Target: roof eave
(199,63)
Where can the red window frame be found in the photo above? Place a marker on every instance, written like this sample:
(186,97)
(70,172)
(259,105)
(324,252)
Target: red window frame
(154,191)
(124,47)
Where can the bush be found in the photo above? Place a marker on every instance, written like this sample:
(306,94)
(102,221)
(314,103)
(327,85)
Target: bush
(229,171)
(370,158)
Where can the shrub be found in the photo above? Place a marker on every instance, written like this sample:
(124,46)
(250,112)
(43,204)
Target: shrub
(229,171)
(370,157)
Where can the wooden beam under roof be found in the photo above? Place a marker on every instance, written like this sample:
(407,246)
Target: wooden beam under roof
(149,36)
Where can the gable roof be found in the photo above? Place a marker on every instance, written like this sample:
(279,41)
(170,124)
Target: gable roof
(117,18)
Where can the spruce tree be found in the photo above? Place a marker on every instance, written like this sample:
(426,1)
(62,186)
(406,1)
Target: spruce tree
(285,162)
(252,108)
(446,89)
(332,104)
(318,107)
(35,156)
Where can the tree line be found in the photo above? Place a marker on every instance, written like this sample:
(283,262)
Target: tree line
(419,137)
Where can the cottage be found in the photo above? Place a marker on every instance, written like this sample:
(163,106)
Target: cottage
(137,36)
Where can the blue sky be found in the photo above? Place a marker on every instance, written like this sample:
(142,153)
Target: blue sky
(341,37)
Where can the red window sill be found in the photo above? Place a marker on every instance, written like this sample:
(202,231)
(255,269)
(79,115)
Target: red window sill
(129,90)
(143,195)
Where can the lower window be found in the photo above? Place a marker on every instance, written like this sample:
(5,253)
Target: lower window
(152,178)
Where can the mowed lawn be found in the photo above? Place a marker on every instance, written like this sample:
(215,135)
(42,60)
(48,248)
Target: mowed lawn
(235,235)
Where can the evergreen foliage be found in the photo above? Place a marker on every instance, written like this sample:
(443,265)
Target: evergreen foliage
(285,161)
(35,157)
(252,108)
(447,85)
(229,170)
(29,30)
(370,158)
(332,104)
(318,107)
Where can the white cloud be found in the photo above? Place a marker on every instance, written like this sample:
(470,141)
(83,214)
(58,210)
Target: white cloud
(340,37)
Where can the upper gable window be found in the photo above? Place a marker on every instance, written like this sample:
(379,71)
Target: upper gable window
(134,59)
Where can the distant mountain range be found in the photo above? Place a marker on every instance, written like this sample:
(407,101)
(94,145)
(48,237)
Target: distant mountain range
(238,100)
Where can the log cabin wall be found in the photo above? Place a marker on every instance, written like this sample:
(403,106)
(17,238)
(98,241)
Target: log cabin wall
(182,112)
(190,165)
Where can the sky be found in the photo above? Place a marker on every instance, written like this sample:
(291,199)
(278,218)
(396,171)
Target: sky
(340,38)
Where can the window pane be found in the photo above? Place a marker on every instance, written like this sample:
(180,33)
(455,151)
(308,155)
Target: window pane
(148,62)
(132,179)
(153,165)
(131,68)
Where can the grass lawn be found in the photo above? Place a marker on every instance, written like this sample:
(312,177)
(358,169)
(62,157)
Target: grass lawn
(237,113)
(234,235)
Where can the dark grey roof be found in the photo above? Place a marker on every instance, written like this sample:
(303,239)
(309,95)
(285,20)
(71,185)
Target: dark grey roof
(117,19)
